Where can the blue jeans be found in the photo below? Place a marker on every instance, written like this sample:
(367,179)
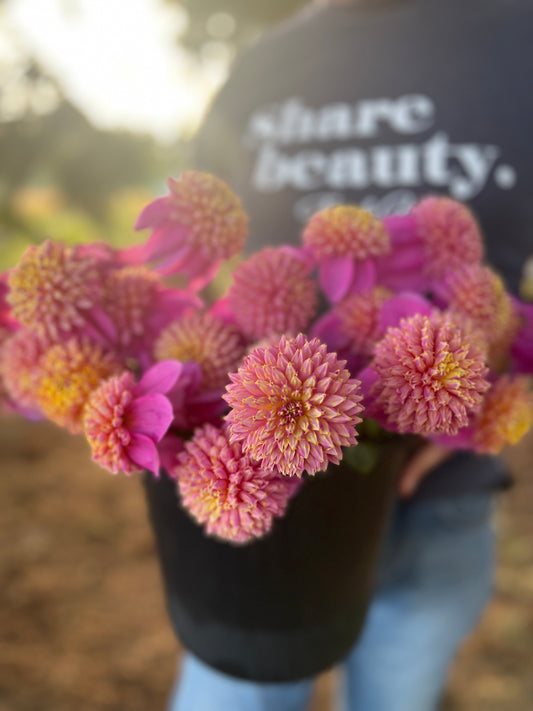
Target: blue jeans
(435,578)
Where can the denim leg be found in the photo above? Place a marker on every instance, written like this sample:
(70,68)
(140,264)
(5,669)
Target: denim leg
(435,579)
(201,688)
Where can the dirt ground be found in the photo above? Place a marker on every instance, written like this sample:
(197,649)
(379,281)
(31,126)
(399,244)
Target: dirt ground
(82,618)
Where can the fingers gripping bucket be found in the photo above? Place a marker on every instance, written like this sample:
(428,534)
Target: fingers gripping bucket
(292,604)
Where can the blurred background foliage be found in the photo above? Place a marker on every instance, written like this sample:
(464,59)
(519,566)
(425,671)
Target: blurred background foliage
(64,176)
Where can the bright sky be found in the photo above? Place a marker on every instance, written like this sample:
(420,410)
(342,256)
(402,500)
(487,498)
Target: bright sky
(117,60)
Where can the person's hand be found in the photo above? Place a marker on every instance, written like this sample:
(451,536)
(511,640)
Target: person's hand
(420,464)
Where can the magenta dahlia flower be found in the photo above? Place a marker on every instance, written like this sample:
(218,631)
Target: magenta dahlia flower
(345,240)
(431,375)
(200,223)
(124,420)
(233,496)
(438,235)
(67,374)
(273,293)
(58,291)
(294,406)
(140,307)
(522,348)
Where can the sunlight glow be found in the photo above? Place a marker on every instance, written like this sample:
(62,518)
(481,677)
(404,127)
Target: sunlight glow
(119,60)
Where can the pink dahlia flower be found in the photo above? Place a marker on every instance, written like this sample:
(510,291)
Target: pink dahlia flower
(430,375)
(294,406)
(345,240)
(273,293)
(216,346)
(506,415)
(19,368)
(57,291)
(232,495)
(124,420)
(200,223)
(140,307)
(67,374)
(438,235)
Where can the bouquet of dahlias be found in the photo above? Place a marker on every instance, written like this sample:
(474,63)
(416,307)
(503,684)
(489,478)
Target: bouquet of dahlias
(243,399)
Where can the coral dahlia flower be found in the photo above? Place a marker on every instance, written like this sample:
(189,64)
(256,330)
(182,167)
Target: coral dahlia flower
(125,419)
(199,223)
(19,368)
(272,293)
(431,375)
(233,496)
(294,406)
(57,291)
(344,240)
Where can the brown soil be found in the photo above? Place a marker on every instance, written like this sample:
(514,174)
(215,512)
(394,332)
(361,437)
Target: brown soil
(82,617)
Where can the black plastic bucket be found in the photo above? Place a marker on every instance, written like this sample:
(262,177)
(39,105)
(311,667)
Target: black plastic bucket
(292,604)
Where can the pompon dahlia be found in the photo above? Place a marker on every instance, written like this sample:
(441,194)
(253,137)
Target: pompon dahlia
(438,235)
(140,307)
(272,293)
(505,417)
(57,291)
(430,375)
(344,240)
(19,367)
(232,495)
(294,406)
(479,293)
(198,224)
(217,347)
(359,316)
(124,420)
(67,375)
(450,235)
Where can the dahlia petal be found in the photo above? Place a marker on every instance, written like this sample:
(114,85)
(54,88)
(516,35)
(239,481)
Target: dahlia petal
(154,213)
(364,277)
(401,306)
(160,378)
(143,452)
(335,276)
(150,415)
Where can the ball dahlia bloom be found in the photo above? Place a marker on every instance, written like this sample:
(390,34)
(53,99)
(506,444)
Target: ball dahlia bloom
(233,496)
(58,291)
(345,240)
(438,235)
(506,415)
(294,406)
(198,224)
(67,374)
(272,293)
(124,419)
(20,355)
(430,375)
(140,307)
(200,337)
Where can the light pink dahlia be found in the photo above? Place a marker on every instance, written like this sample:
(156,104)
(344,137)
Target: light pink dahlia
(232,495)
(294,406)
(430,375)
(272,293)
(216,346)
(19,367)
(140,307)
(67,374)
(124,420)
(345,240)
(359,316)
(57,291)
(197,225)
